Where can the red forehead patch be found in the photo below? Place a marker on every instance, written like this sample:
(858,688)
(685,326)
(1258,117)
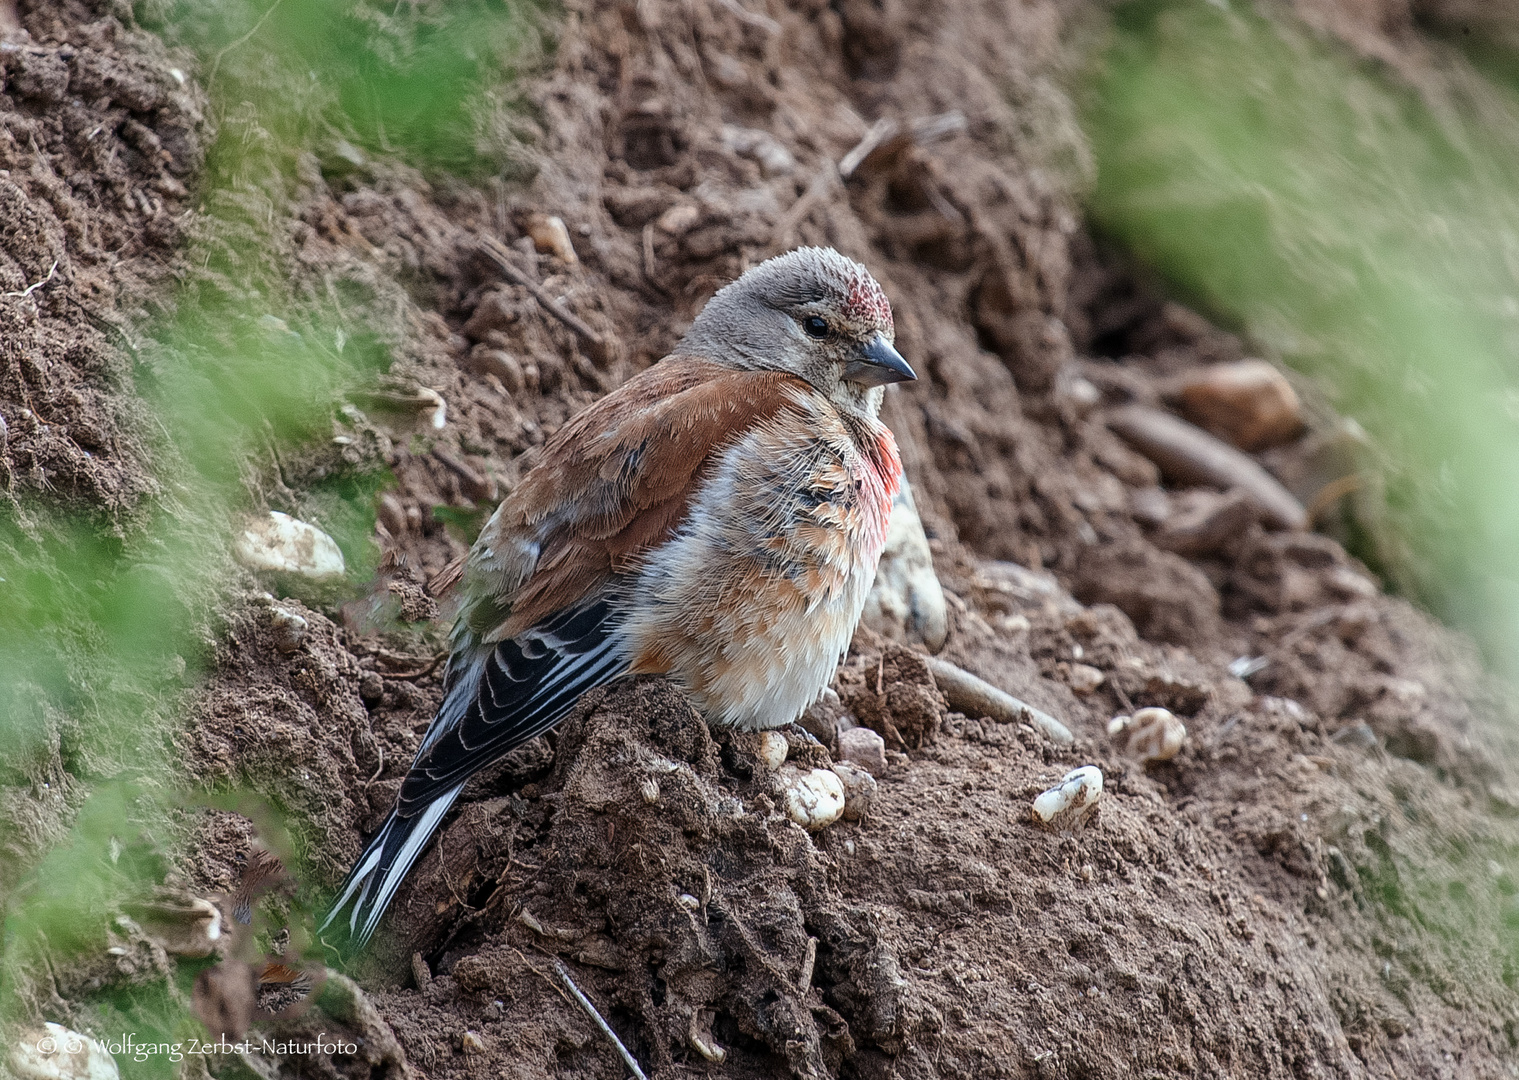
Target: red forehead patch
(868,303)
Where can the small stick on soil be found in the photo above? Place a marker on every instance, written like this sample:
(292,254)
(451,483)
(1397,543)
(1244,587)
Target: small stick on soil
(879,132)
(929,129)
(606,1029)
(809,959)
(648,260)
(752,18)
(24,293)
(974,697)
(499,255)
(1332,493)
(1187,454)
(378,769)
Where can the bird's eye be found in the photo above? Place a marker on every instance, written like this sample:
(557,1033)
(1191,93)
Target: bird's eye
(816,326)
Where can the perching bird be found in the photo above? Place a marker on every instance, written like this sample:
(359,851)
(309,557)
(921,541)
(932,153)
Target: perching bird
(717,519)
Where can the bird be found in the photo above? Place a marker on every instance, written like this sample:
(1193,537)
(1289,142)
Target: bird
(716,519)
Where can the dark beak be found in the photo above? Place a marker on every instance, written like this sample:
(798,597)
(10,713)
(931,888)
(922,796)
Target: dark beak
(879,364)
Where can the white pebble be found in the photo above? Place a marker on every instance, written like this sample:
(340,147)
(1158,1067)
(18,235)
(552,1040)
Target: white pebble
(1084,678)
(280,542)
(53,1052)
(1152,734)
(814,798)
(859,789)
(1068,805)
(649,789)
(772,750)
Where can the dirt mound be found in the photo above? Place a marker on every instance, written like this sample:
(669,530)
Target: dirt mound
(1317,885)
(102,136)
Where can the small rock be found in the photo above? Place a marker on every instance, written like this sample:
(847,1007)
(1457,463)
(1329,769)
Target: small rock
(53,1052)
(772,750)
(760,147)
(859,789)
(1069,805)
(282,543)
(471,1043)
(1150,505)
(1152,734)
(1250,403)
(289,629)
(551,237)
(649,790)
(391,514)
(863,747)
(679,219)
(906,601)
(1080,394)
(814,798)
(1084,678)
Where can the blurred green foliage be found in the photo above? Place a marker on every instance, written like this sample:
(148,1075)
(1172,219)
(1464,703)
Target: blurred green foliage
(1364,233)
(418,80)
(108,624)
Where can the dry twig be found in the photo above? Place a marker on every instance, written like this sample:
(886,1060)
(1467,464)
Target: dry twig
(24,293)
(606,1029)
(1187,454)
(502,258)
(975,697)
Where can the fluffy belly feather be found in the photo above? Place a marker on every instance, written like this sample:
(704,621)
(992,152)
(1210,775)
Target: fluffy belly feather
(750,606)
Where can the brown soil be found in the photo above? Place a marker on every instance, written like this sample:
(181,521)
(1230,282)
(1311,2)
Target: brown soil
(1319,885)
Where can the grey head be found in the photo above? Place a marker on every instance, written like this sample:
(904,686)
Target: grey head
(811,312)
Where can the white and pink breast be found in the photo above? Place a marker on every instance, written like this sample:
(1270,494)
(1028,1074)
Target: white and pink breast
(750,605)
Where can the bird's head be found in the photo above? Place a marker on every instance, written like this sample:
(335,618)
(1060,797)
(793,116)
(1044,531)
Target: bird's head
(812,313)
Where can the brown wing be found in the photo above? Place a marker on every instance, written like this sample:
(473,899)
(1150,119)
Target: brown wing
(618,478)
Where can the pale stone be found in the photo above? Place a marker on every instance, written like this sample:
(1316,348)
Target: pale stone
(1152,734)
(53,1052)
(859,789)
(280,542)
(863,747)
(906,602)
(1070,804)
(814,798)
